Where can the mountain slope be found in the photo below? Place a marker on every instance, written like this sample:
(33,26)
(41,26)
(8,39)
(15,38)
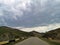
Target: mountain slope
(54,34)
(7,33)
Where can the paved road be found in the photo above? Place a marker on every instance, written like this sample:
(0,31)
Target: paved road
(33,41)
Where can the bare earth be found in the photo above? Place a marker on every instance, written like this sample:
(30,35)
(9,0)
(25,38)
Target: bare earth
(33,41)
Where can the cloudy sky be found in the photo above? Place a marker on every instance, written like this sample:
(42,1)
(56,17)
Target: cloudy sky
(28,15)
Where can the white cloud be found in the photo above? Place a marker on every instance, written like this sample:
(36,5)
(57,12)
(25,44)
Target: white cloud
(58,0)
(1,14)
(22,4)
(2,21)
(7,2)
(41,28)
(43,2)
(15,6)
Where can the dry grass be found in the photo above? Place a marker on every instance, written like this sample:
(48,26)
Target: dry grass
(4,42)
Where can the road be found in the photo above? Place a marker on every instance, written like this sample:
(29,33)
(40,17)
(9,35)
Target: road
(33,41)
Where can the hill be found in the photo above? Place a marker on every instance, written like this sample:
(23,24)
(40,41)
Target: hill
(36,34)
(53,34)
(7,33)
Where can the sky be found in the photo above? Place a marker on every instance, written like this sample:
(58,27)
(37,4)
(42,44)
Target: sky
(29,15)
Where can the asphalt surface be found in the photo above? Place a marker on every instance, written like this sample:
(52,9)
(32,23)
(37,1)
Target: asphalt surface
(33,41)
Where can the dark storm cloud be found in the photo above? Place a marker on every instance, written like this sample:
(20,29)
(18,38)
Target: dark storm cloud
(34,14)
